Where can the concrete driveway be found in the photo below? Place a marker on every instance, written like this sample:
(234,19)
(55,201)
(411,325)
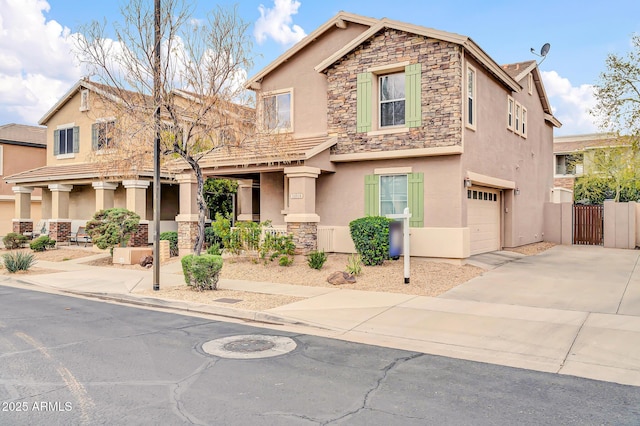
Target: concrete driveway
(575,278)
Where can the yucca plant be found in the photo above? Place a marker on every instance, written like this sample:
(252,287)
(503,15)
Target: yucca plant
(18,261)
(354,264)
(316,259)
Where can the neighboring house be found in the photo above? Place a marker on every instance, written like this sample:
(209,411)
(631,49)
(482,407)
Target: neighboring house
(370,116)
(74,183)
(572,155)
(22,148)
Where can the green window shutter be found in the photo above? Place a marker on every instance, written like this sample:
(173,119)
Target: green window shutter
(416,200)
(76,139)
(363,94)
(94,136)
(371,195)
(56,142)
(413,95)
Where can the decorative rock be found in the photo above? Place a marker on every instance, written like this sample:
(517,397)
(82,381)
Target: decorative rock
(339,277)
(146,261)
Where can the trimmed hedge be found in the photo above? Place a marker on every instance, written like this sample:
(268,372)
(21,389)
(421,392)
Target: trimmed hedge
(202,272)
(42,243)
(371,237)
(13,240)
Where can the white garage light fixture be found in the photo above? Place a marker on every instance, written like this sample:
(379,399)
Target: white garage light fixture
(467,183)
(517,191)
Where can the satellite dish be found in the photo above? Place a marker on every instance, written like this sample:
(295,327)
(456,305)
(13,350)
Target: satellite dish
(543,52)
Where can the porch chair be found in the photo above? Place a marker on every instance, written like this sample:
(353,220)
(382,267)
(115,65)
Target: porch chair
(80,236)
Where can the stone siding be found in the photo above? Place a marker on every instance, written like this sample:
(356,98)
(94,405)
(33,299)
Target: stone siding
(22,227)
(441,93)
(305,236)
(187,232)
(141,237)
(60,231)
(566,183)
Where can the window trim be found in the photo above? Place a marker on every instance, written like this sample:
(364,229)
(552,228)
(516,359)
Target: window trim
(517,121)
(523,122)
(84,100)
(530,83)
(262,117)
(471,98)
(511,103)
(379,77)
(577,166)
(102,121)
(66,155)
(380,176)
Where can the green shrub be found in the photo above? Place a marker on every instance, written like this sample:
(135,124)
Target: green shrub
(371,237)
(285,260)
(172,237)
(214,250)
(112,227)
(14,240)
(42,243)
(211,237)
(18,261)
(202,272)
(274,246)
(316,259)
(354,264)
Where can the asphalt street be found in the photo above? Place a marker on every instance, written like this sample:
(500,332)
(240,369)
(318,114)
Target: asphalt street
(68,360)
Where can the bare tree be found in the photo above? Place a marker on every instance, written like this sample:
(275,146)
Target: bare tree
(618,93)
(204,64)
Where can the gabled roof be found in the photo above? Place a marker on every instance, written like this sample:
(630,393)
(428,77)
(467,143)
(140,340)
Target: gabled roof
(23,134)
(581,143)
(461,40)
(337,20)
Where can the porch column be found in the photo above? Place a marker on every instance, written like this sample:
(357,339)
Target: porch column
(188,217)
(302,220)
(104,194)
(137,203)
(47,201)
(22,222)
(245,200)
(60,224)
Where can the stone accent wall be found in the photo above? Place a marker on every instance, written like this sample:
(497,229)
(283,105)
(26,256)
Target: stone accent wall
(141,237)
(187,232)
(441,93)
(165,250)
(305,236)
(566,183)
(60,231)
(22,227)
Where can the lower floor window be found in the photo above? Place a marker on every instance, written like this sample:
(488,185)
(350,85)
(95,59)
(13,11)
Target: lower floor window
(393,194)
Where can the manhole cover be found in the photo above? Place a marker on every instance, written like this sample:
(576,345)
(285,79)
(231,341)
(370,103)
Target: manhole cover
(249,346)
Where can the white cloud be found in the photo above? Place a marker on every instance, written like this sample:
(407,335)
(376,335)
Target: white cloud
(276,23)
(36,62)
(570,104)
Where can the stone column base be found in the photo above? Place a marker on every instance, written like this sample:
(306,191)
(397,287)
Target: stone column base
(23,226)
(187,232)
(141,237)
(305,236)
(60,230)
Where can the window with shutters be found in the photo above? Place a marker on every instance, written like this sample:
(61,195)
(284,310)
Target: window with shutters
(393,194)
(102,134)
(389,98)
(66,141)
(390,194)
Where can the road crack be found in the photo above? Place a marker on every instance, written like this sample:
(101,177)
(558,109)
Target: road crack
(179,388)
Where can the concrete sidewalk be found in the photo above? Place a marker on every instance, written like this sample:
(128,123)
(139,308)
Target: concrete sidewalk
(569,310)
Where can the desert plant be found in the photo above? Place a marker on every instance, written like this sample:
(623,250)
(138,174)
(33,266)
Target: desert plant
(316,259)
(354,264)
(274,246)
(172,237)
(14,240)
(202,272)
(371,237)
(112,227)
(214,250)
(42,243)
(18,261)
(285,260)
(211,237)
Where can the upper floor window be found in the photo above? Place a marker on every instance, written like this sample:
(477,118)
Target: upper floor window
(277,112)
(471,97)
(510,108)
(102,134)
(530,83)
(392,98)
(569,164)
(523,123)
(66,140)
(393,95)
(517,118)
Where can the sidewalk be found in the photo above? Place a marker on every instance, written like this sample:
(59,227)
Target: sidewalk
(569,310)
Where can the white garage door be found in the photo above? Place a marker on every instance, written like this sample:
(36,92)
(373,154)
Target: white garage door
(483,219)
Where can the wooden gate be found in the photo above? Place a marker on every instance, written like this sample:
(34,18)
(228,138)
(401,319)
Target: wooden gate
(588,225)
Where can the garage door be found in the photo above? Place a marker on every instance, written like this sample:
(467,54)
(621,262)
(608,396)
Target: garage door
(483,219)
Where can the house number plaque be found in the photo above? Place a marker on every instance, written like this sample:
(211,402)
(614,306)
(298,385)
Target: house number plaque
(296,195)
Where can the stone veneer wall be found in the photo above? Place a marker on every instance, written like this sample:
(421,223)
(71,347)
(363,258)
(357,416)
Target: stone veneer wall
(566,183)
(60,231)
(141,237)
(22,227)
(187,232)
(305,236)
(441,93)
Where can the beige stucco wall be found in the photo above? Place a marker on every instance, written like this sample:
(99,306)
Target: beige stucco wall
(15,159)
(620,224)
(7,214)
(272,197)
(493,150)
(309,86)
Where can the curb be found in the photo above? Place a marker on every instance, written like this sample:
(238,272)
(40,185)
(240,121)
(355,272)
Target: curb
(241,314)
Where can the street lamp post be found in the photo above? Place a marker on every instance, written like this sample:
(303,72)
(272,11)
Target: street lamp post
(156,148)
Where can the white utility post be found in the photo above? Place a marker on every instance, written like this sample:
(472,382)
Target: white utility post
(405,240)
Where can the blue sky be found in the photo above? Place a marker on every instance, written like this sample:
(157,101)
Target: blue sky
(36,66)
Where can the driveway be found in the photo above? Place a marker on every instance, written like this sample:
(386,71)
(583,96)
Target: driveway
(576,278)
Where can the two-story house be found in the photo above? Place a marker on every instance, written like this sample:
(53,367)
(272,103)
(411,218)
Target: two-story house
(22,148)
(370,116)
